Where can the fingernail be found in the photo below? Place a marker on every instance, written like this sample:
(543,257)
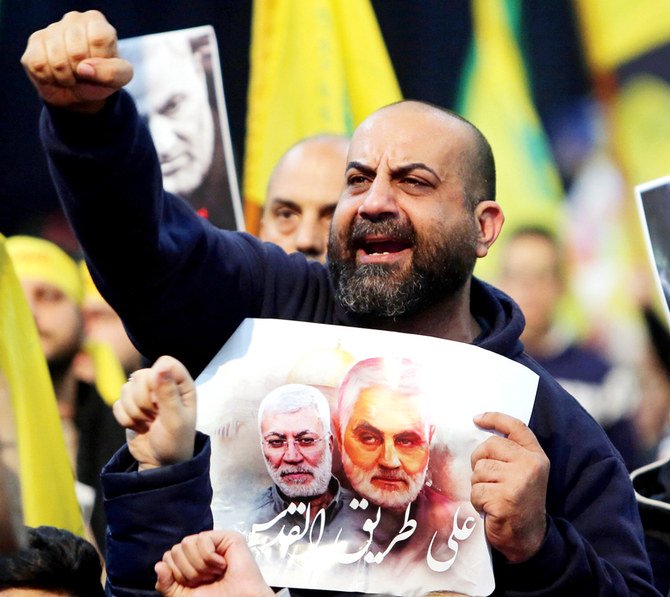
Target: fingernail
(164,376)
(85,70)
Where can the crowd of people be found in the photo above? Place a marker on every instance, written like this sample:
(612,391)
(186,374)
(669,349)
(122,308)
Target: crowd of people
(391,245)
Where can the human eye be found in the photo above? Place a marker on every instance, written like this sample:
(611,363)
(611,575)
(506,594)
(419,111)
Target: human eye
(357,180)
(369,439)
(306,441)
(50,294)
(408,441)
(285,213)
(171,107)
(414,182)
(276,443)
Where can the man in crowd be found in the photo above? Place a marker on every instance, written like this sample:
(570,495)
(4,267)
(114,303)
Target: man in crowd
(416,212)
(302,195)
(54,562)
(532,272)
(52,284)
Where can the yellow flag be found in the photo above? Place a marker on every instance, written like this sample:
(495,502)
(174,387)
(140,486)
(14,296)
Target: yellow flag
(495,96)
(616,31)
(109,374)
(47,479)
(317,66)
(615,34)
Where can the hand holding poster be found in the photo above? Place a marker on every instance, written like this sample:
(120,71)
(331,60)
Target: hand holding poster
(344,456)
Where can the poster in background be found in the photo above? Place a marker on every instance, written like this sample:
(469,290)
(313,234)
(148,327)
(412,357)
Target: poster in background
(402,431)
(653,203)
(178,89)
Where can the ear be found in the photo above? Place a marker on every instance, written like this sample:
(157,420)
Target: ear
(489,218)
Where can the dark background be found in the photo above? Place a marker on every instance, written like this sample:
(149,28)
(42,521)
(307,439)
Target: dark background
(427,41)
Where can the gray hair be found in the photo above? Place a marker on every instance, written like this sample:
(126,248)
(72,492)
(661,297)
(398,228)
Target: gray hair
(293,397)
(401,375)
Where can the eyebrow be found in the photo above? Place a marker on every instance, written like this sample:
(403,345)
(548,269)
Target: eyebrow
(281,435)
(365,426)
(279,202)
(398,172)
(409,434)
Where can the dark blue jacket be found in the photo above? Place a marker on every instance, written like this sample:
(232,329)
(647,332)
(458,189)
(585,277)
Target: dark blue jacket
(182,287)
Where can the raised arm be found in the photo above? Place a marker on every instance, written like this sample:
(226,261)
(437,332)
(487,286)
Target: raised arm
(74,63)
(180,285)
(157,489)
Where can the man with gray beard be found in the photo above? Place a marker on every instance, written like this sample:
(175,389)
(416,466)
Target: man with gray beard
(384,431)
(297,445)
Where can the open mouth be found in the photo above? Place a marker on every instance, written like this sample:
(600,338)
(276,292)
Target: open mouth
(381,250)
(384,246)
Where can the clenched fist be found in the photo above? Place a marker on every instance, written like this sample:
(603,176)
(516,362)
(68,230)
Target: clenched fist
(74,63)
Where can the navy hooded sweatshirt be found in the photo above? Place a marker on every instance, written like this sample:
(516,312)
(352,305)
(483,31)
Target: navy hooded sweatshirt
(182,287)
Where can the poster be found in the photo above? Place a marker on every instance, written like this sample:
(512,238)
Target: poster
(653,202)
(178,89)
(343,454)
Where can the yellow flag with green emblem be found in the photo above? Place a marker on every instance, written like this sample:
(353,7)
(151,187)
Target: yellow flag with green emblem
(47,479)
(317,66)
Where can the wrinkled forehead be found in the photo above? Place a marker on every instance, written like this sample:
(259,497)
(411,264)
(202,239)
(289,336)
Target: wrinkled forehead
(411,132)
(295,421)
(388,409)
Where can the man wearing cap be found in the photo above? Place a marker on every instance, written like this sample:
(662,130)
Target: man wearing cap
(53,287)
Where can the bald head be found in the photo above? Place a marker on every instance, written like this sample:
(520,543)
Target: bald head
(302,194)
(476,164)
(414,216)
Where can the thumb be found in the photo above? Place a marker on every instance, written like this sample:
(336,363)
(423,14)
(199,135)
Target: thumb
(169,400)
(113,73)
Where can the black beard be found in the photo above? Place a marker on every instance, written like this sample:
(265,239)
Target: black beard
(60,364)
(439,269)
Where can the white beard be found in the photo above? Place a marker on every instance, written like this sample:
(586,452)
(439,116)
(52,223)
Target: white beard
(319,484)
(361,482)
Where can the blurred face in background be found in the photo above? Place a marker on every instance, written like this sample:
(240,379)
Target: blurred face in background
(58,319)
(530,273)
(302,195)
(102,324)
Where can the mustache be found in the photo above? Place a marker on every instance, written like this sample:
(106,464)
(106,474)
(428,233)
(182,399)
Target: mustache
(391,475)
(295,470)
(393,228)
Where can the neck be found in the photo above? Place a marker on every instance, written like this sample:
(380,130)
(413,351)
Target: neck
(318,503)
(449,318)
